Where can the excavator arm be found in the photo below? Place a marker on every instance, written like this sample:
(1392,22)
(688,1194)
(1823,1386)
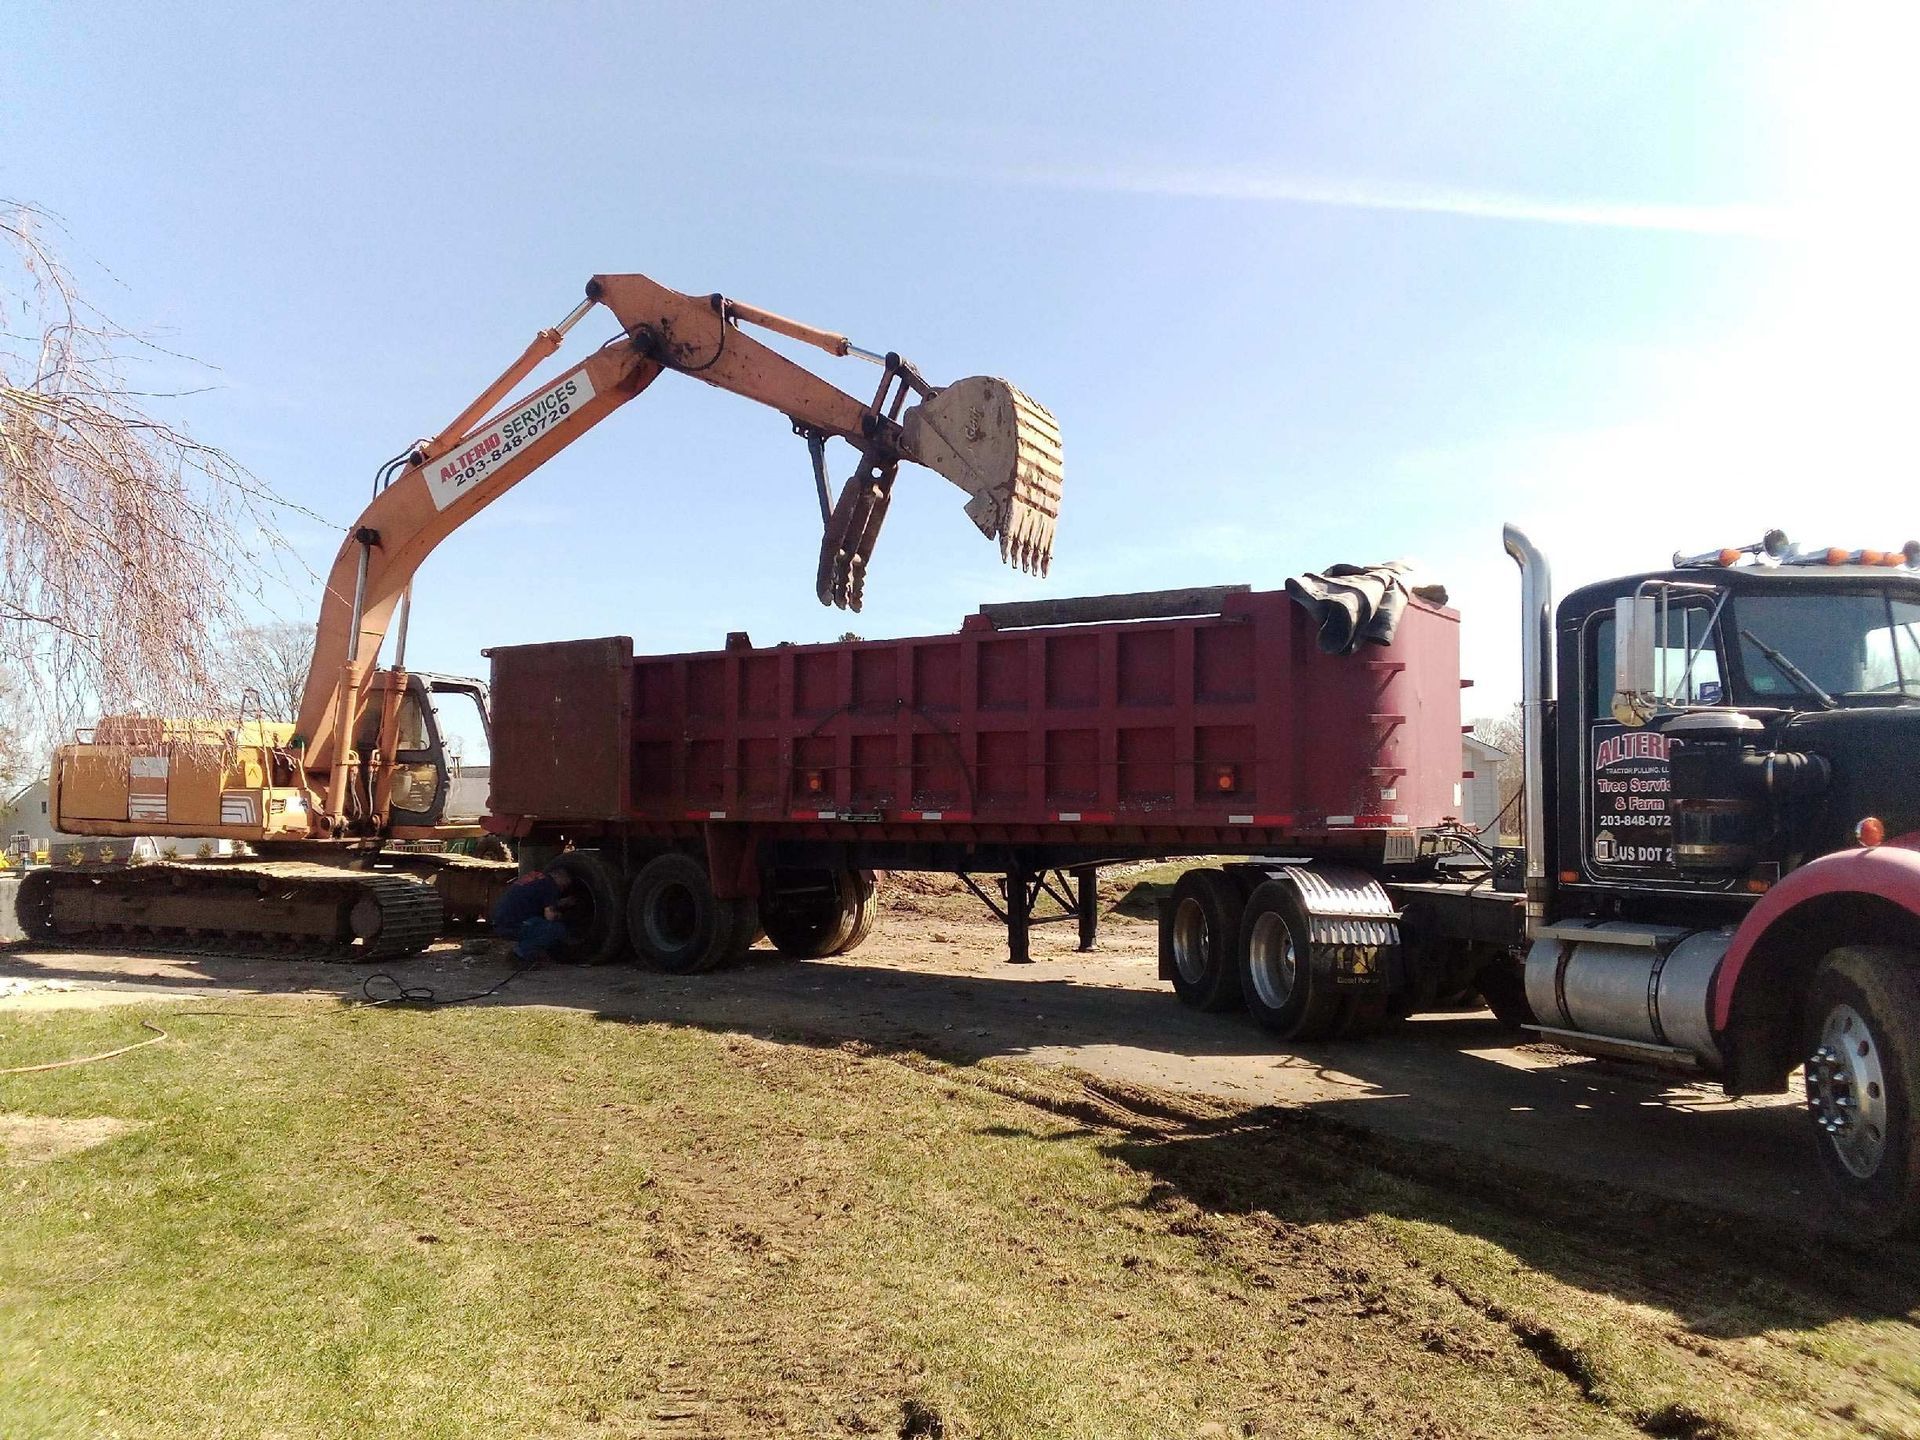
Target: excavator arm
(980,433)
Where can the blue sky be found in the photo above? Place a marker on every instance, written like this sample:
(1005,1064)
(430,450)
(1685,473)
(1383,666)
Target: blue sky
(1303,283)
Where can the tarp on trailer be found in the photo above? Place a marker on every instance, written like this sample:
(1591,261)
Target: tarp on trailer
(1359,604)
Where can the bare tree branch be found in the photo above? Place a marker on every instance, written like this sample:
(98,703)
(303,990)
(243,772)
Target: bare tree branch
(267,670)
(126,545)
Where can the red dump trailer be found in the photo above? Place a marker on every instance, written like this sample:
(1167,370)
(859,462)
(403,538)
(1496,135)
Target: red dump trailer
(701,798)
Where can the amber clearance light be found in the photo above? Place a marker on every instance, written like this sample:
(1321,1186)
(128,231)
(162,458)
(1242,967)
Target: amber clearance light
(1870,831)
(1226,779)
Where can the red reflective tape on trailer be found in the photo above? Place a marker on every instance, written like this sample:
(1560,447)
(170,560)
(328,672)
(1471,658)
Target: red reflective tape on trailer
(1367,822)
(1084,816)
(706,814)
(937,815)
(1265,821)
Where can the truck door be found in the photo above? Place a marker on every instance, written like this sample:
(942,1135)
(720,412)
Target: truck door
(1626,792)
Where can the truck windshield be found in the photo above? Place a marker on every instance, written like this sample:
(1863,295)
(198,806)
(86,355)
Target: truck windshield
(1859,647)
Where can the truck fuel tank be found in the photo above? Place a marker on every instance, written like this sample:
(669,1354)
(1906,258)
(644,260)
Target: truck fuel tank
(1645,985)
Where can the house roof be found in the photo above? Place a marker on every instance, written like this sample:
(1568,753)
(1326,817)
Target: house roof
(1482,749)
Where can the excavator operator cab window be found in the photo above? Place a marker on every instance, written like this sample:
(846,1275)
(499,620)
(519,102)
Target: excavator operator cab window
(412,732)
(460,714)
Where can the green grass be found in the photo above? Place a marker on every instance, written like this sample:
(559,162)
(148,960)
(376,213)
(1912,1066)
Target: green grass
(511,1222)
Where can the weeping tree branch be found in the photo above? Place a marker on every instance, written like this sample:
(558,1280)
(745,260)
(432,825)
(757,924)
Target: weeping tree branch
(126,545)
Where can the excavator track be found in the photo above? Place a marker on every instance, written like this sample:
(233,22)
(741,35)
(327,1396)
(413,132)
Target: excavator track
(283,908)
(467,884)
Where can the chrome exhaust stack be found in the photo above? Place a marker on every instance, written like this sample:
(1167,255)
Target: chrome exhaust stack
(1536,681)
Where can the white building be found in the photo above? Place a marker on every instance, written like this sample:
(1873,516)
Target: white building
(1480,765)
(26,825)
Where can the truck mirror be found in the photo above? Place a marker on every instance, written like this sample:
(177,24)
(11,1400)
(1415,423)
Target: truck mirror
(1634,681)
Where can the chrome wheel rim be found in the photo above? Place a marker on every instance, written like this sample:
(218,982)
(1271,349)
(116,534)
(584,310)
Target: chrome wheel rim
(1847,1091)
(1190,940)
(1271,958)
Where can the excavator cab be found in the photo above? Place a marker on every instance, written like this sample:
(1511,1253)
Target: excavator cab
(441,734)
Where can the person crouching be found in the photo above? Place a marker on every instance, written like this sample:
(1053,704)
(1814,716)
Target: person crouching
(529,914)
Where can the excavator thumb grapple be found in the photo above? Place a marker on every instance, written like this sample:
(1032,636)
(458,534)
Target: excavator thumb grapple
(984,435)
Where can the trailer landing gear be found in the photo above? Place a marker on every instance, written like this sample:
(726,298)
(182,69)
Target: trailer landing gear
(1015,896)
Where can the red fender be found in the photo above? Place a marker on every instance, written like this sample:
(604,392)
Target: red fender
(1890,871)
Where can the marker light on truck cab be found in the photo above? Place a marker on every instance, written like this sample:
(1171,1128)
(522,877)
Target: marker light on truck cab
(1770,549)
(1870,831)
(1776,549)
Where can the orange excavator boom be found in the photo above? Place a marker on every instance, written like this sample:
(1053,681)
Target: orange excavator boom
(366,761)
(981,433)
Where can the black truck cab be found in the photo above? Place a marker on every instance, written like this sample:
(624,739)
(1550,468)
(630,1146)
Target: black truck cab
(1781,711)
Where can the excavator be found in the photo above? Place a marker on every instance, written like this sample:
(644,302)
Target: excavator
(362,776)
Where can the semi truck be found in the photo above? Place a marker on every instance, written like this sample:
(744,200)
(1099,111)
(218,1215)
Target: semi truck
(1721,865)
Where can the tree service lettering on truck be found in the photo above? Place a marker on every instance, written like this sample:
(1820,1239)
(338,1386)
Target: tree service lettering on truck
(1721,868)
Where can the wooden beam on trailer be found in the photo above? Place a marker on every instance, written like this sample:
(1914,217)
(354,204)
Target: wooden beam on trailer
(1094,609)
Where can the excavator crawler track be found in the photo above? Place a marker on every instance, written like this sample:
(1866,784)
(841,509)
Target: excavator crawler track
(280,908)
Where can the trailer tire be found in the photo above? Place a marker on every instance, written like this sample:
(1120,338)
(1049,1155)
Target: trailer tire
(746,929)
(822,922)
(866,911)
(595,918)
(1283,991)
(1199,936)
(1863,1048)
(676,922)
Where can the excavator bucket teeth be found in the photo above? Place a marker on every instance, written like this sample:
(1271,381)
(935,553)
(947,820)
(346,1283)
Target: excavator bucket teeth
(1004,451)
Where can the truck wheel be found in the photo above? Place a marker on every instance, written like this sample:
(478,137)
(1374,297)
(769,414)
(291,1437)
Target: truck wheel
(678,924)
(811,914)
(829,917)
(1862,1076)
(1276,976)
(866,911)
(1198,934)
(1503,985)
(596,926)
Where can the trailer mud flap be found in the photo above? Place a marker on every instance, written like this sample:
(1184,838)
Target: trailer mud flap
(1353,929)
(733,861)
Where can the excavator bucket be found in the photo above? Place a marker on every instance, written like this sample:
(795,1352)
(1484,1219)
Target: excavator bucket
(1004,451)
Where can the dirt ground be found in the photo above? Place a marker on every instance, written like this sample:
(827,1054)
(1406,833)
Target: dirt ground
(933,978)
